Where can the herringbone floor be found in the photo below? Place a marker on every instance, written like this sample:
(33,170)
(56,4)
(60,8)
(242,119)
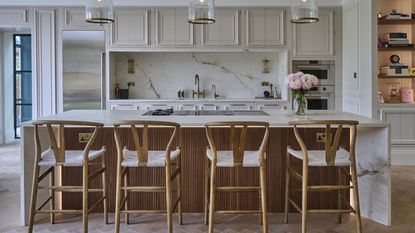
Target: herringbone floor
(403,212)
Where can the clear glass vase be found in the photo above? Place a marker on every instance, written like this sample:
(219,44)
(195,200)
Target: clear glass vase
(300,105)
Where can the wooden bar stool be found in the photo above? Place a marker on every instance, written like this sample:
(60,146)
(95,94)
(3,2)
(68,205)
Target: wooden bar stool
(57,155)
(233,158)
(333,155)
(143,157)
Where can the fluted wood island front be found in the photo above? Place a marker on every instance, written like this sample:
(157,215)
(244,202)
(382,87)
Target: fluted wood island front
(373,156)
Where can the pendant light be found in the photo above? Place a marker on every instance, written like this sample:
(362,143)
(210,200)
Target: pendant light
(99,11)
(202,12)
(304,11)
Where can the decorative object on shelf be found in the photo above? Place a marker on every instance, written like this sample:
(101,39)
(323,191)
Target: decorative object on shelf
(265,67)
(99,11)
(379,14)
(117,90)
(267,94)
(395,68)
(397,15)
(202,12)
(394,59)
(407,95)
(412,71)
(393,92)
(304,11)
(300,85)
(131,66)
(381,100)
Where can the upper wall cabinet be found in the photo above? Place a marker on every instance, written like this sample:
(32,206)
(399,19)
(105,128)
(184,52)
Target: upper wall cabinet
(131,28)
(172,28)
(225,32)
(14,17)
(265,27)
(75,19)
(315,39)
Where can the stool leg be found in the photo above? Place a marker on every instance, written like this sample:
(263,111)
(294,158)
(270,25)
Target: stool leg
(52,194)
(264,198)
(85,196)
(260,205)
(118,200)
(35,185)
(179,190)
(339,198)
(212,196)
(126,205)
(356,197)
(304,197)
(169,199)
(287,189)
(105,189)
(206,180)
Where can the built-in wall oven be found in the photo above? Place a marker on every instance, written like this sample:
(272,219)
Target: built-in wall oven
(321,97)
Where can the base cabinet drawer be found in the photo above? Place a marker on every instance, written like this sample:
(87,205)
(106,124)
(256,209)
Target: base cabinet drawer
(238,106)
(155,106)
(124,107)
(209,106)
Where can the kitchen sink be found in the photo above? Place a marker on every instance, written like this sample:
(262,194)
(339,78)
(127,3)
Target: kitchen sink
(207,113)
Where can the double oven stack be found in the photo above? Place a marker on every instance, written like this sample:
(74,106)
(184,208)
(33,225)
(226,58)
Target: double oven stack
(322,97)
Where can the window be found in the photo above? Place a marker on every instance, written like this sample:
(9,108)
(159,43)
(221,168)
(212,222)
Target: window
(22,81)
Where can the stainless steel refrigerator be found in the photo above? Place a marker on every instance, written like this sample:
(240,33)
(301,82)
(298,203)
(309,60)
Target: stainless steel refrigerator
(83,56)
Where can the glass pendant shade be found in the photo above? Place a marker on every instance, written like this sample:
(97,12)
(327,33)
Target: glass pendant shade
(99,11)
(304,11)
(202,12)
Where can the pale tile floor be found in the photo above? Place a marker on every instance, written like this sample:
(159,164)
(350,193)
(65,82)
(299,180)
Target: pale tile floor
(403,212)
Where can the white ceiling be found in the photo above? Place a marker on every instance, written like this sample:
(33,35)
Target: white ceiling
(160,2)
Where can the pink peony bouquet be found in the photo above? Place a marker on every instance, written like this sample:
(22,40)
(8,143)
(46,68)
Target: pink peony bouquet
(300,85)
(300,81)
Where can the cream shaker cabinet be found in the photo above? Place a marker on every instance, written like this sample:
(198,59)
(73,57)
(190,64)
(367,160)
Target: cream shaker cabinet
(225,32)
(265,27)
(321,43)
(131,28)
(172,28)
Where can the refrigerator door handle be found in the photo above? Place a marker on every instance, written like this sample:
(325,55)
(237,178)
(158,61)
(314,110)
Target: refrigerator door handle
(103,83)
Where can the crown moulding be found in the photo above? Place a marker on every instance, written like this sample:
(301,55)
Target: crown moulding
(236,3)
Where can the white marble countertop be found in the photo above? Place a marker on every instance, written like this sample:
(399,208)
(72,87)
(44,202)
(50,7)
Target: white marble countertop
(276,118)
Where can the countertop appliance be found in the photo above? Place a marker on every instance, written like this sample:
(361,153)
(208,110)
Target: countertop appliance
(322,97)
(83,69)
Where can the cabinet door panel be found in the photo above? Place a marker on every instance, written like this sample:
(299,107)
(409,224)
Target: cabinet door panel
(184,30)
(321,41)
(274,24)
(130,28)
(14,16)
(165,30)
(75,18)
(225,31)
(256,27)
(139,28)
(394,118)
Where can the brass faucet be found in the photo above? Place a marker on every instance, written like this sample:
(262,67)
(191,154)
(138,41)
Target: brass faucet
(215,95)
(198,92)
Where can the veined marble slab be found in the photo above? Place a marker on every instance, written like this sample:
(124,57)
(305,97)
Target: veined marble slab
(372,150)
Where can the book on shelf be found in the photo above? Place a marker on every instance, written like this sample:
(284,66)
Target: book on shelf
(399,45)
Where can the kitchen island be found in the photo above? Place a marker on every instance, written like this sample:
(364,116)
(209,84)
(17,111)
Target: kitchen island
(372,151)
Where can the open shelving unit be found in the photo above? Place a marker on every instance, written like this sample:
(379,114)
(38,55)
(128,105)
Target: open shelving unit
(407,56)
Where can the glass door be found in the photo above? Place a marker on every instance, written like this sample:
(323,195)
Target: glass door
(22,80)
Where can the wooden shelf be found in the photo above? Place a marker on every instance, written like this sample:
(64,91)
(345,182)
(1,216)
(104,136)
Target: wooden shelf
(397,48)
(395,76)
(395,21)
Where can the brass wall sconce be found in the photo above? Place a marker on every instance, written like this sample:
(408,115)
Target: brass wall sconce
(265,68)
(131,66)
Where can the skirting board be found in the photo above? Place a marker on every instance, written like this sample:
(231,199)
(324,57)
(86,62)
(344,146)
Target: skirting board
(403,154)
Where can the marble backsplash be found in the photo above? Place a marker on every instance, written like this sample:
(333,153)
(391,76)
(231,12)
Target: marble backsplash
(161,75)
